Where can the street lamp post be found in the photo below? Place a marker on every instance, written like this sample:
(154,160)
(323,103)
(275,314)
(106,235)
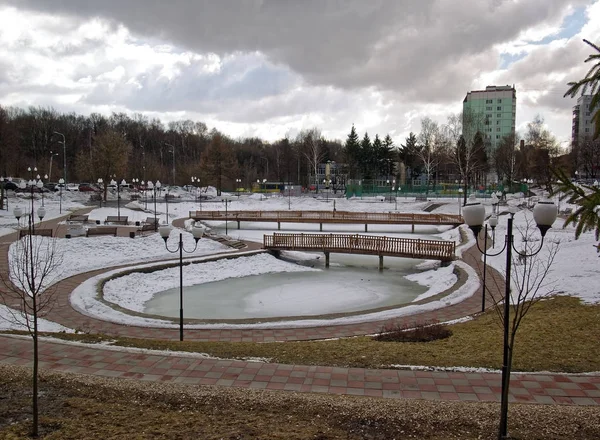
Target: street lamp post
(153,187)
(172,151)
(197,232)
(50,170)
(238,182)
(460,192)
(326,183)
(290,189)
(101,185)
(61,183)
(64,154)
(226,202)
(544,215)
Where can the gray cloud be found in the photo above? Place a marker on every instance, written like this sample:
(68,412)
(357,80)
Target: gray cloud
(422,50)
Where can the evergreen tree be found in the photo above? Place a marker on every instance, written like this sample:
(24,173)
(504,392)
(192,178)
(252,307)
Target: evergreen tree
(352,153)
(409,155)
(387,156)
(366,155)
(376,158)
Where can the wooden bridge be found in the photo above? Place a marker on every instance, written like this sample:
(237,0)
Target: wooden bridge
(320,217)
(362,244)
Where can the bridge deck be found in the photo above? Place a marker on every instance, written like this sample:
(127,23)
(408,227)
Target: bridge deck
(363,244)
(399,218)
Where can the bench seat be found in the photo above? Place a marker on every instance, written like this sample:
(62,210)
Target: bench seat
(101,231)
(40,231)
(123,220)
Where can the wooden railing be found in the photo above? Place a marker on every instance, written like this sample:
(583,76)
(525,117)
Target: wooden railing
(330,217)
(363,244)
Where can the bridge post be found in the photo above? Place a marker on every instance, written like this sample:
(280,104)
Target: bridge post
(327,260)
(321,227)
(381,263)
(239,224)
(279,226)
(413,228)
(366,228)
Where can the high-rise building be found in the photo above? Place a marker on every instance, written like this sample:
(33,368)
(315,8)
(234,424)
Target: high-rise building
(494,110)
(583,126)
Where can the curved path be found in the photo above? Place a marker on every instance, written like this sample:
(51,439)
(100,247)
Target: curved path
(196,370)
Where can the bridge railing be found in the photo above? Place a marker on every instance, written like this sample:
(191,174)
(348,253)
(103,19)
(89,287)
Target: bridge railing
(350,243)
(346,216)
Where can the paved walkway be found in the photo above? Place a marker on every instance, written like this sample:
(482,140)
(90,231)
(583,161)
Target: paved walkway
(194,370)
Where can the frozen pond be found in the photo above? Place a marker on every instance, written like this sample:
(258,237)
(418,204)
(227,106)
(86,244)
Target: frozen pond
(351,284)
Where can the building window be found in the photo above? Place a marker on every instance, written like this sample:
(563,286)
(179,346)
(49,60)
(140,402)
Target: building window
(499,101)
(499,115)
(497,122)
(489,101)
(488,108)
(497,136)
(587,130)
(499,108)
(498,129)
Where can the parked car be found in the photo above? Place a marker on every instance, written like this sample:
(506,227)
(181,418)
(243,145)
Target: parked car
(7,184)
(86,187)
(72,187)
(51,186)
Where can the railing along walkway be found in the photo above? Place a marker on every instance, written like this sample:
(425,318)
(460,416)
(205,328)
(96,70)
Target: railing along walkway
(363,244)
(400,218)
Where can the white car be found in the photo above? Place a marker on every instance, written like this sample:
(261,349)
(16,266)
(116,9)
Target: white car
(72,187)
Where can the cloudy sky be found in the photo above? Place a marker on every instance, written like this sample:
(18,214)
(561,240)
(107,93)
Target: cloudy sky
(273,67)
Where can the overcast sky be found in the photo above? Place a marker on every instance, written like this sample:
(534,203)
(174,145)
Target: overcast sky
(273,67)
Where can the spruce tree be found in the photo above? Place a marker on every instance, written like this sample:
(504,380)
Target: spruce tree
(352,153)
(366,155)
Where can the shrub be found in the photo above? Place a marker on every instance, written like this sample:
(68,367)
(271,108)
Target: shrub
(421,332)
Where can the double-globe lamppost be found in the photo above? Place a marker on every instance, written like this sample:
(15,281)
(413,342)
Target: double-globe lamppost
(61,183)
(544,214)
(153,187)
(196,181)
(197,232)
(101,186)
(290,189)
(18,212)
(238,182)
(119,185)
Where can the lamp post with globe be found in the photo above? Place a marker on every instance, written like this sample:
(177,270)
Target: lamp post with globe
(197,232)
(153,187)
(544,214)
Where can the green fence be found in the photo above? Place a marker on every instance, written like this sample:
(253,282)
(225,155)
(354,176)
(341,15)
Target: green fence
(439,189)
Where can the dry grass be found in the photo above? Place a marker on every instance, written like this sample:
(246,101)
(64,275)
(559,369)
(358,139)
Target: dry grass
(85,407)
(560,334)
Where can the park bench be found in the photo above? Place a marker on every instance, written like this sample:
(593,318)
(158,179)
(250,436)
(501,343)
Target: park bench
(43,232)
(101,231)
(146,227)
(77,218)
(151,220)
(116,219)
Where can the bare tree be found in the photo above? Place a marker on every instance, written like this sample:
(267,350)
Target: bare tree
(313,148)
(34,264)
(429,138)
(528,285)
(464,131)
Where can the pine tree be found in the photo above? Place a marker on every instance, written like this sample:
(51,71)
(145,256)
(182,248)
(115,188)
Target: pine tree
(387,156)
(352,153)
(366,155)
(408,154)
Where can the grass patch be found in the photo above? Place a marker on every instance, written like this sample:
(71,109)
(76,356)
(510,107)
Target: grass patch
(422,332)
(560,334)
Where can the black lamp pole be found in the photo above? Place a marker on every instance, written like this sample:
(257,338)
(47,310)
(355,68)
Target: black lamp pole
(507,349)
(155,217)
(179,249)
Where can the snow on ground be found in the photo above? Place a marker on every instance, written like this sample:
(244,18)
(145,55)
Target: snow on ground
(133,291)
(11,319)
(437,280)
(81,254)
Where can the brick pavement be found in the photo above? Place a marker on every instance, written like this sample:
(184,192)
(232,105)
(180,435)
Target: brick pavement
(195,370)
